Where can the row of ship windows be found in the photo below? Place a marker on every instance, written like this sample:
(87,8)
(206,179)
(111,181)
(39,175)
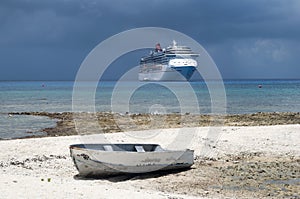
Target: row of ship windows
(181,62)
(155,62)
(166,62)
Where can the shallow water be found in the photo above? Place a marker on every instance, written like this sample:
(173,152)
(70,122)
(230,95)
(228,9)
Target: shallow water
(294,181)
(16,126)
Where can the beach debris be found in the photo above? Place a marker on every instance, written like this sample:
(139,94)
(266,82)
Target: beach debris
(48,179)
(27,163)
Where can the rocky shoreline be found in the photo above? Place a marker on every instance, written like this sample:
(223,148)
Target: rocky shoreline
(113,122)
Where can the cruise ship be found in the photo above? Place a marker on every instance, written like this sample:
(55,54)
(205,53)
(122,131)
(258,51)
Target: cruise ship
(176,63)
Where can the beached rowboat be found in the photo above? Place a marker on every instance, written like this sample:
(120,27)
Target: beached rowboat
(111,159)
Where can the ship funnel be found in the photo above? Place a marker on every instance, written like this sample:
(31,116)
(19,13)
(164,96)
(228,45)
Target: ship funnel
(174,43)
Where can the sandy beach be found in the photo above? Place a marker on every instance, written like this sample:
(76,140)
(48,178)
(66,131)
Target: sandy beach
(241,162)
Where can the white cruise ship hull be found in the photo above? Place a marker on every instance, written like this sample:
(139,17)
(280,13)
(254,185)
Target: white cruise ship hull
(167,73)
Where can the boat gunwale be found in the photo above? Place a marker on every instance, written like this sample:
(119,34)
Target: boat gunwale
(75,147)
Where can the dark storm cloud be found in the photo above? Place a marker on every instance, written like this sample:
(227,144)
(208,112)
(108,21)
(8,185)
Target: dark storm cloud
(43,22)
(213,20)
(238,34)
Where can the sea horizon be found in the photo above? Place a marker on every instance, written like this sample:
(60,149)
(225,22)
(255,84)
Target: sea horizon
(135,80)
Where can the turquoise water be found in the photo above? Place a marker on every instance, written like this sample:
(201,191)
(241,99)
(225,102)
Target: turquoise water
(241,97)
(16,126)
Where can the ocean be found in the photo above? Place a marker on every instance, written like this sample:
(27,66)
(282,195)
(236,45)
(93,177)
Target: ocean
(241,97)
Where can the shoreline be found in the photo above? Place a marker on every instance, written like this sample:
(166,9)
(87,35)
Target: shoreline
(114,122)
(245,162)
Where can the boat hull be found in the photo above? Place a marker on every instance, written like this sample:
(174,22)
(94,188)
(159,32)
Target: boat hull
(104,163)
(168,73)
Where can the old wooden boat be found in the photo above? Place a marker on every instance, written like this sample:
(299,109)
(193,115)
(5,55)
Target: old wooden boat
(112,159)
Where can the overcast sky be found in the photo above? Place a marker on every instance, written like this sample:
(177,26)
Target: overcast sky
(49,39)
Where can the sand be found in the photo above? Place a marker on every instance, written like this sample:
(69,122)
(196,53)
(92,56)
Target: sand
(230,161)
